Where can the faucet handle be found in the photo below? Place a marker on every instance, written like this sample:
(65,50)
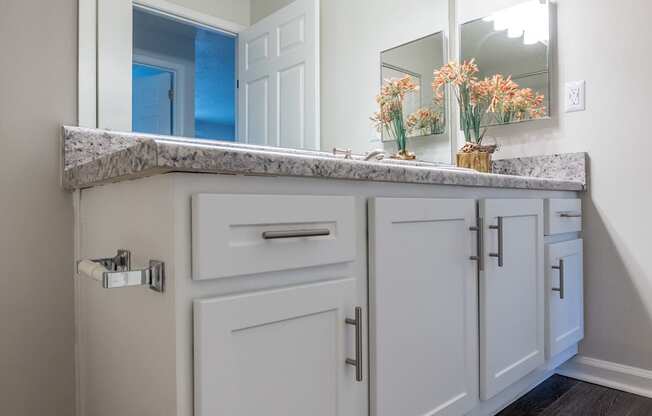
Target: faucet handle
(346,152)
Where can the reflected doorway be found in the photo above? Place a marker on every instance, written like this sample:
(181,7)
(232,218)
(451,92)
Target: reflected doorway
(152,99)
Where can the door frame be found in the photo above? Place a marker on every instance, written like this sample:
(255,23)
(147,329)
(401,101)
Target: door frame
(179,86)
(90,33)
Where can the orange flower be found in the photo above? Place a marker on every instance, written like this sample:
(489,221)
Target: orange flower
(425,121)
(390,100)
(454,73)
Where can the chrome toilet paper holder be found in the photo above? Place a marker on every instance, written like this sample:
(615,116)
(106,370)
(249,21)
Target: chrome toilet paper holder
(120,274)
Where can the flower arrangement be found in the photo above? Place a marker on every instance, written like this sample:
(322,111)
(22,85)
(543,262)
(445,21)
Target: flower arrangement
(497,96)
(390,117)
(426,121)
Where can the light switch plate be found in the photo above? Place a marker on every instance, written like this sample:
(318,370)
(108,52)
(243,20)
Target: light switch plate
(575,96)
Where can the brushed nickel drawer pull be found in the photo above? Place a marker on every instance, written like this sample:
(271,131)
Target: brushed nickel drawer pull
(479,257)
(499,254)
(560,289)
(357,362)
(570,215)
(275,235)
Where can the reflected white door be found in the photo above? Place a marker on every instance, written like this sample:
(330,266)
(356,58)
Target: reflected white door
(152,102)
(279,78)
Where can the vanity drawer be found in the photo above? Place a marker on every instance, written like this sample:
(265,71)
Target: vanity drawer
(236,235)
(563,216)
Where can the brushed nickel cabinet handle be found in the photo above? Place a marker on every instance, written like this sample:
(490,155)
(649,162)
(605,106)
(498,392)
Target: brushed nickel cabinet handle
(499,254)
(276,235)
(357,362)
(560,289)
(570,215)
(479,257)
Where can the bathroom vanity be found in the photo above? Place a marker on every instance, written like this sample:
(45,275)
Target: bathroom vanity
(297,283)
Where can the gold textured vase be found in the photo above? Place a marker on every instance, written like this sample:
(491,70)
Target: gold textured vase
(476,160)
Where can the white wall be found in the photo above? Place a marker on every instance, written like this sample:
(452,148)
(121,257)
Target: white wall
(38,80)
(352,36)
(600,41)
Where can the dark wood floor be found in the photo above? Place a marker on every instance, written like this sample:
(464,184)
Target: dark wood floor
(562,396)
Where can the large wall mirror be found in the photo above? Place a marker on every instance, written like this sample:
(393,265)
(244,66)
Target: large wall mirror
(294,73)
(513,42)
(424,113)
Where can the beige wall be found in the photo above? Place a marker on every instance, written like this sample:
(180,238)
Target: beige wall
(600,41)
(38,40)
(263,8)
(236,11)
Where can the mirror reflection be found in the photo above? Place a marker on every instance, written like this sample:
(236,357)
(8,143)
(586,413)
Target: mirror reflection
(515,43)
(423,112)
(183,78)
(300,74)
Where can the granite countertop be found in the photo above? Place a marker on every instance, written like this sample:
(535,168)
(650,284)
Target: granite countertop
(92,157)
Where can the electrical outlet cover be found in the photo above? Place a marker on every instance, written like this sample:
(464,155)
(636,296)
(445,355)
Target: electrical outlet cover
(575,96)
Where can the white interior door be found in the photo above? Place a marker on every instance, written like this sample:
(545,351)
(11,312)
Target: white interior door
(511,293)
(278,96)
(152,103)
(564,285)
(423,307)
(277,353)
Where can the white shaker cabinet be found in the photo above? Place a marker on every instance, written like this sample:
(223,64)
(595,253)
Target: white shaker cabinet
(278,353)
(266,277)
(564,286)
(423,307)
(511,292)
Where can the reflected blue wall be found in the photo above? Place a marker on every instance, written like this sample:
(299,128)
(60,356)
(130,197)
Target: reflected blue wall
(215,87)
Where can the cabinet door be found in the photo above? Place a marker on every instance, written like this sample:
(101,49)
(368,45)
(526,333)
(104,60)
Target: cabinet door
(423,307)
(277,353)
(511,292)
(564,287)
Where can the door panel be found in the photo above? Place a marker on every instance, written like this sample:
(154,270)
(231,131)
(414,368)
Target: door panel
(152,100)
(565,316)
(511,294)
(277,353)
(423,307)
(282,49)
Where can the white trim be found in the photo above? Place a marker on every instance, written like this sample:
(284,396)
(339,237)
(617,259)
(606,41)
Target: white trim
(79,386)
(605,373)
(184,13)
(87,64)
(181,88)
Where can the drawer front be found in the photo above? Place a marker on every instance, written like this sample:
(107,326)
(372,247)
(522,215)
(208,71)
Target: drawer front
(563,216)
(235,235)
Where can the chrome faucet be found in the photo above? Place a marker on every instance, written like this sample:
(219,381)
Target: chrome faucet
(377,154)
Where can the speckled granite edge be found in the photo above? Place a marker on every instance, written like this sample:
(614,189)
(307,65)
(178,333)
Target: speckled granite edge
(563,166)
(149,155)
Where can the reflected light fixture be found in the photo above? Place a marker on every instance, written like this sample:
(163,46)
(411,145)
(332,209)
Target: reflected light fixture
(528,20)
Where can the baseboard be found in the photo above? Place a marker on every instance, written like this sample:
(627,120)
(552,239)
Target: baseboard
(604,373)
